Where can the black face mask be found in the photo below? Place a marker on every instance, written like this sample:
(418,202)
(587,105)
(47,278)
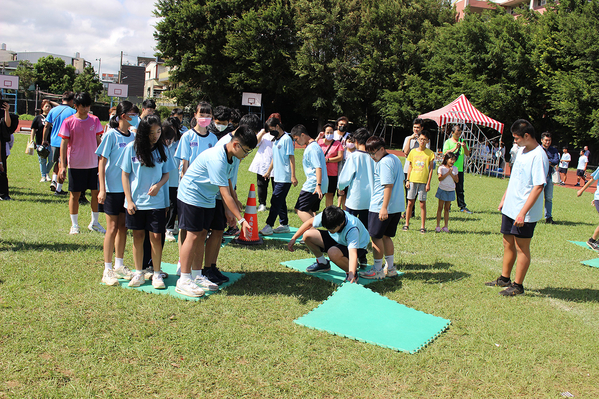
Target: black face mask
(342,128)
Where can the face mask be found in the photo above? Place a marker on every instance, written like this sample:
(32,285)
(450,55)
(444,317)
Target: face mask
(351,146)
(220,127)
(329,136)
(204,122)
(134,122)
(342,128)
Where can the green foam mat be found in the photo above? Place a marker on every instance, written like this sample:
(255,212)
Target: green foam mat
(355,312)
(335,275)
(171,281)
(592,262)
(581,244)
(282,237)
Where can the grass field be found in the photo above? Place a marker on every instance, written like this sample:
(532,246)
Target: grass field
(64,335)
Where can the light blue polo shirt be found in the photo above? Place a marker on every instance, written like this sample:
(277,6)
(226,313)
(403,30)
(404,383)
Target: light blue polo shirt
(388,171)
(281,150)
(142,178)
(205,176)
(173,178)
(353,234)
(358,175)
(314,158)
(595,175)
(234,170)
(112,147)
(192,144)
(56,116)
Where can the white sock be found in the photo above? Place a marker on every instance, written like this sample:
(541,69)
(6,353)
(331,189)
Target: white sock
(156,274)
(378,264)
(139,272)
(54,177)
(95,216)
(389,260)
(107,265)
(185,276)
(118,263)
(58,186)
(321,259)
(75,219)
(195,273)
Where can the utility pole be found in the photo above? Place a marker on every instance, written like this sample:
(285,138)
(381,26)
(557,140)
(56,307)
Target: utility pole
(99,68)
(121,67)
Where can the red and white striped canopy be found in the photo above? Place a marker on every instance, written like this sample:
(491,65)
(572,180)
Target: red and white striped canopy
(461,110)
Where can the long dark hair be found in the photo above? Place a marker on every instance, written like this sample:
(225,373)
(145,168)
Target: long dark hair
(143,147)
(171,129)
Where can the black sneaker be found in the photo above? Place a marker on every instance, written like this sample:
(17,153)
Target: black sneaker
(218,274)
(593,244)
(231,231)
(83,201)
(209,274)
(363,262)
(61,193)
(5,198)
(513,290)
(499,283)
(53,186)
(549,221)
(319,267)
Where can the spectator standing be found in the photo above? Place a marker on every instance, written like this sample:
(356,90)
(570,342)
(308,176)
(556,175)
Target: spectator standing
(459,147)
(564,162)
(409,144)
(553,157)
(333,154)
(8,125)
(581,169)
(37,136)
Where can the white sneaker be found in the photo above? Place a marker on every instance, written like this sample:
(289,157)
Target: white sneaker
(96,227)
(267,231)
(158,282)
(137,280)
(170,236)
(109,278)
(390,271)
(43,179)
(48,178)
(123,272)
(178,268)
(204,283)
(262,208)
(281,229)
(74,229)
(188,288)
(373,274)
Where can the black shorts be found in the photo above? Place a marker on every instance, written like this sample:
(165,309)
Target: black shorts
(152,220)
(219,220)
(580,172)
(507,227)
(361,214)
(332,184)
(56,154)
(329,243)
(562,170)
(83,179)
(194,218)
(379,228)
(307,202)
(114,204)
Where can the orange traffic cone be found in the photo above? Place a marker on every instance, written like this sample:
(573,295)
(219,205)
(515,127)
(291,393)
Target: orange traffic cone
(252,218)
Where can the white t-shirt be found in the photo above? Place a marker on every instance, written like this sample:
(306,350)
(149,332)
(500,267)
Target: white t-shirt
(582,161)
(530,169)
(565,160)
(447,184)
(263,156)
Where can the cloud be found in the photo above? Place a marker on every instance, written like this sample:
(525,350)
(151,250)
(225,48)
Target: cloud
(94,29)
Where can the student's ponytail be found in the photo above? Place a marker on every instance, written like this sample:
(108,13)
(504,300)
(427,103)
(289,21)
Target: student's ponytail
(122,108)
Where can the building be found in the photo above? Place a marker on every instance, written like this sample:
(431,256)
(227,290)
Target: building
(10,59)
(477,6)
(156,77)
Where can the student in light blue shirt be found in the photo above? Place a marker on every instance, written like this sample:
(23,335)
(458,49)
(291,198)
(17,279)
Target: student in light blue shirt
(521,207)
(284,172)
(385,209)
(171,129)
(317,181)
(111,196)
(196,140)
(207,176)
(146,165)
(357,175)
(345,241)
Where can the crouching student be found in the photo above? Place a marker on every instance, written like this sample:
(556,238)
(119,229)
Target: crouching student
(314,164)
(146,165)
(386,204)
(344,241)
(207,176)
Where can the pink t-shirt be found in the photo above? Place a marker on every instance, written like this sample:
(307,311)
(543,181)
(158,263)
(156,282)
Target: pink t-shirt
(81,149)
(336,148)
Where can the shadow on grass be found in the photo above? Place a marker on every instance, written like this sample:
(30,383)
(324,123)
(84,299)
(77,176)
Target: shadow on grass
(305,288)
(569,223)
(571,294)
(7,245)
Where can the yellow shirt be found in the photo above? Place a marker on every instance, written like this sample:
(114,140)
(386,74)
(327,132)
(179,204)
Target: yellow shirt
(420,162)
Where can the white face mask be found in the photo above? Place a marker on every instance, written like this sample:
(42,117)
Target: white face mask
(351,146)
(329,136)
(220,127)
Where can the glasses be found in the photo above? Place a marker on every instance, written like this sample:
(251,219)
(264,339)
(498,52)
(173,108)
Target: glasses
(373,153)
(245,152)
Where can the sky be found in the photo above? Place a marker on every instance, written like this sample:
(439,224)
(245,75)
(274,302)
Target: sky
(95,29)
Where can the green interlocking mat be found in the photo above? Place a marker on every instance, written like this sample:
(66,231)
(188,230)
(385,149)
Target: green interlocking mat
(336,275)
(171,281)
(355,312)
(592,262)
(282,237)
(581,244)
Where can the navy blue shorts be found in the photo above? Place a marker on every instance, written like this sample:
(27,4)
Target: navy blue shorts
(329,243)
(194,218)
(307,202)
(219,220)
(580,172)
(113,205)
(379,228)
(507,227)
(83,179)
(362,214)
(152,220)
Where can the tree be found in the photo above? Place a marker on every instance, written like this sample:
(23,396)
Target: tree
(54,75)
(88,81)
(26,76)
